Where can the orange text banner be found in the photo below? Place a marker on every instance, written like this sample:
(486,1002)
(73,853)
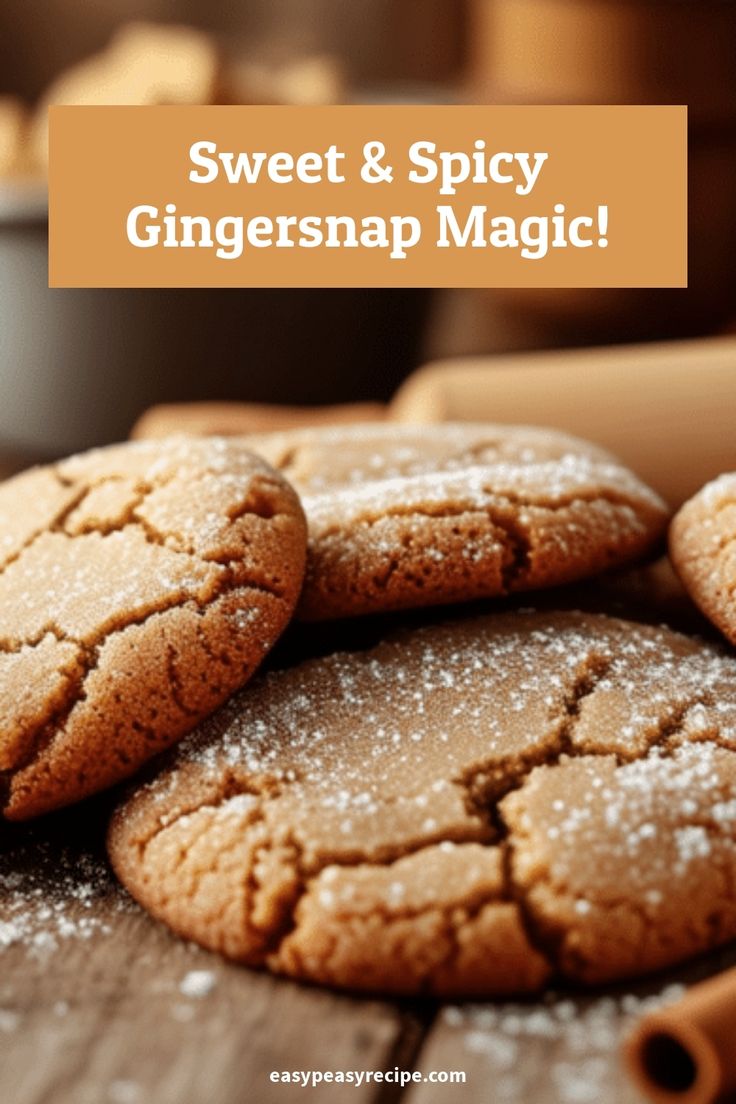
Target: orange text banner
(359,196)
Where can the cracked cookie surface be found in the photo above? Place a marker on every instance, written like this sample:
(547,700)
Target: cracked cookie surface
(702,545)
(469,808)
(140,585)
(408,516)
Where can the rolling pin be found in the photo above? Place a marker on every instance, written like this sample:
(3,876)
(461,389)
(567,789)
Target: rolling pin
(229,419)
(667,410)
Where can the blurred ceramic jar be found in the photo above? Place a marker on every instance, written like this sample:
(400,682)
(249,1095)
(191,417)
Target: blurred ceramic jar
(625,51)
(78,367)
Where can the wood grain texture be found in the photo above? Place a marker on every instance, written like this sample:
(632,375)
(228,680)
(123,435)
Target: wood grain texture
(105,1019)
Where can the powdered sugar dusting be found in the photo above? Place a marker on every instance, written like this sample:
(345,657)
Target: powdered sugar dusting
(472,688)
(548,463)
(364,473)
(197,983)
(51,895)
(544,484)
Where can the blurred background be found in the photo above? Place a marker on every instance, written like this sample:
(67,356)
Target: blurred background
(78,367)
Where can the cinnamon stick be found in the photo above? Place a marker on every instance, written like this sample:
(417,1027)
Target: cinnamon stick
(687,1052)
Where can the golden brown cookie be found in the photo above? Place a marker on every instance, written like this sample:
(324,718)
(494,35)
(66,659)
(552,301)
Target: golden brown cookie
(470,808)
(139,586)
(407,516)
(702,546)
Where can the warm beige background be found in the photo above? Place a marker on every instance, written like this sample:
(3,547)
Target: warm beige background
(106,160)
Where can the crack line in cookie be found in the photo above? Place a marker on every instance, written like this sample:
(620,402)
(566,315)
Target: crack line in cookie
(471,506)
(307,874)
(90,652)
(540,931)
(38,533)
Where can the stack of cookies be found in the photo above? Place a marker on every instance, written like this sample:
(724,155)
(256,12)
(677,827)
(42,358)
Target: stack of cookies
(430,788)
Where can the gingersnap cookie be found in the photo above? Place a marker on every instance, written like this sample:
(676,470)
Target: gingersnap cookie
(471,808)
(140,585)
(407,516)
(702,544)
